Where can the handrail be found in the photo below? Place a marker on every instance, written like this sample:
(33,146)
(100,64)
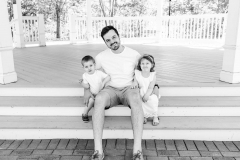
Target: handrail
(185,27)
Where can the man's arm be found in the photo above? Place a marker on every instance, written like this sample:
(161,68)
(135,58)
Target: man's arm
(135,83)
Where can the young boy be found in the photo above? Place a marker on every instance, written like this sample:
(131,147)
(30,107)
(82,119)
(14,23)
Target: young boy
(93,79)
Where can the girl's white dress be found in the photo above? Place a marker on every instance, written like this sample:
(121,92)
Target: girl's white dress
(150,108)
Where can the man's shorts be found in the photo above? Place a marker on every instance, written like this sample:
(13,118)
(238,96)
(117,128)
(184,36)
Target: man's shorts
(120,96)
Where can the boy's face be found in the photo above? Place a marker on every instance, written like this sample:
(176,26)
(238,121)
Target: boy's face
(112,40)
(89,67)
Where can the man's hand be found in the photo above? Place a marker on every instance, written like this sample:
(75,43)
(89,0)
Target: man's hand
(134,85)
(87,95)
(145,98)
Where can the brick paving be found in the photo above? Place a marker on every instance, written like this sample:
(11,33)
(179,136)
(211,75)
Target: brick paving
(118,149)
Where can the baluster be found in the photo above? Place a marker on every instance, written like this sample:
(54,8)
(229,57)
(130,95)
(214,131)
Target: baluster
(187,28)
(197,29)
(204,27)
(208,28)
(37,29)
(219,28)
(167,21)
(215,28)
(31,30)
(173,28)
(140,26)
(194,28)
(34,30)
(180,28)
(201,28)
(29,38)
(212,26)
(191,28)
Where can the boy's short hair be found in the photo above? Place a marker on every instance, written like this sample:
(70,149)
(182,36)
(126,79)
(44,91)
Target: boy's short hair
(87,58)
(107,29)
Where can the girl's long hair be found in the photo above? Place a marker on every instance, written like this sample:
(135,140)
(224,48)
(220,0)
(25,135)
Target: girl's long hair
(149,58)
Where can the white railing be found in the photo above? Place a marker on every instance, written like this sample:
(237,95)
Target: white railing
(29,31)
(81,28)
(200,27)
(205,27)
(128,27)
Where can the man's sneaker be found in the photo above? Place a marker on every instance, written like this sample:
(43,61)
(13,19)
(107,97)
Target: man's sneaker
(138,156)
(97,156)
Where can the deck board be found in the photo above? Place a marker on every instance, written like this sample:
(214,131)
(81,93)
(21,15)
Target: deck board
(62,63)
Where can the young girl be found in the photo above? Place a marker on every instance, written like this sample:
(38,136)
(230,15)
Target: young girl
(146,79)
(93,79)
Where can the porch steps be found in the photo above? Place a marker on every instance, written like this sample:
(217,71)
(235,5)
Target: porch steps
(166,89)
(187,111)
(73,106)
(60,127)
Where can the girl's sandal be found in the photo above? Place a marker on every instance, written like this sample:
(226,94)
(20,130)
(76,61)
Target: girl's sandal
(155,123)
(145,120)
(85,118)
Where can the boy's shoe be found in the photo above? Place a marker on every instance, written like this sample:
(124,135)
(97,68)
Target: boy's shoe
(97,156)
(138,156)
(85,118)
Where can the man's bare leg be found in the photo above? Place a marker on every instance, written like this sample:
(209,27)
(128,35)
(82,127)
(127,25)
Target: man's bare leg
(137,120)
(101,101)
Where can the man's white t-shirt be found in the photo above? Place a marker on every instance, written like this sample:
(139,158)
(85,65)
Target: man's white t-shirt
(94,80)
(120,66)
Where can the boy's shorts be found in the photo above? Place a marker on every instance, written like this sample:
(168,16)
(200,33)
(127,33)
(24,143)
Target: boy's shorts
(119,96)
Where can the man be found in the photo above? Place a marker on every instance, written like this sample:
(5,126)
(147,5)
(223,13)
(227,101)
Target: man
(119,62)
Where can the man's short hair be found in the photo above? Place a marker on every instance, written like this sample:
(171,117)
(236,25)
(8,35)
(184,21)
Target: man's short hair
(107,29)
(87,58)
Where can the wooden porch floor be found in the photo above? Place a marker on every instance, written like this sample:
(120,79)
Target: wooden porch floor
(61,64)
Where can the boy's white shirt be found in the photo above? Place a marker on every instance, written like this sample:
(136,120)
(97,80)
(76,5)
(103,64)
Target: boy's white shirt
(120,66)
(94,80)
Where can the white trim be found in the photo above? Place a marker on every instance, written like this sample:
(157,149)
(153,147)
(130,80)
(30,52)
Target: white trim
(230,77)
(164,91)
(208,135)
(41,92)
(119,111)
(6,78)
(199,91)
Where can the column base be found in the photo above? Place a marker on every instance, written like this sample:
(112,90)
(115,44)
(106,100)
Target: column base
(230,77)
(6,78)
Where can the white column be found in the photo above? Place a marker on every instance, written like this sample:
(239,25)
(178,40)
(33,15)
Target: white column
(73,31)
(7,71)
(41,29)
(159,18)
(89,20)
(17,13)
(231,60)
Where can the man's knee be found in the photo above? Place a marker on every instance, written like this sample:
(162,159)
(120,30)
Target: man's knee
(102,100)
(134,99)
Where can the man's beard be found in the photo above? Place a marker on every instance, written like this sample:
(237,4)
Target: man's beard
(115,46)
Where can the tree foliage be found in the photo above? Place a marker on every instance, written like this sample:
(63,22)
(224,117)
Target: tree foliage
(193,7)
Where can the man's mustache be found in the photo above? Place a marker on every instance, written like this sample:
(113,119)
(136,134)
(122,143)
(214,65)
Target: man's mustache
(113,43)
